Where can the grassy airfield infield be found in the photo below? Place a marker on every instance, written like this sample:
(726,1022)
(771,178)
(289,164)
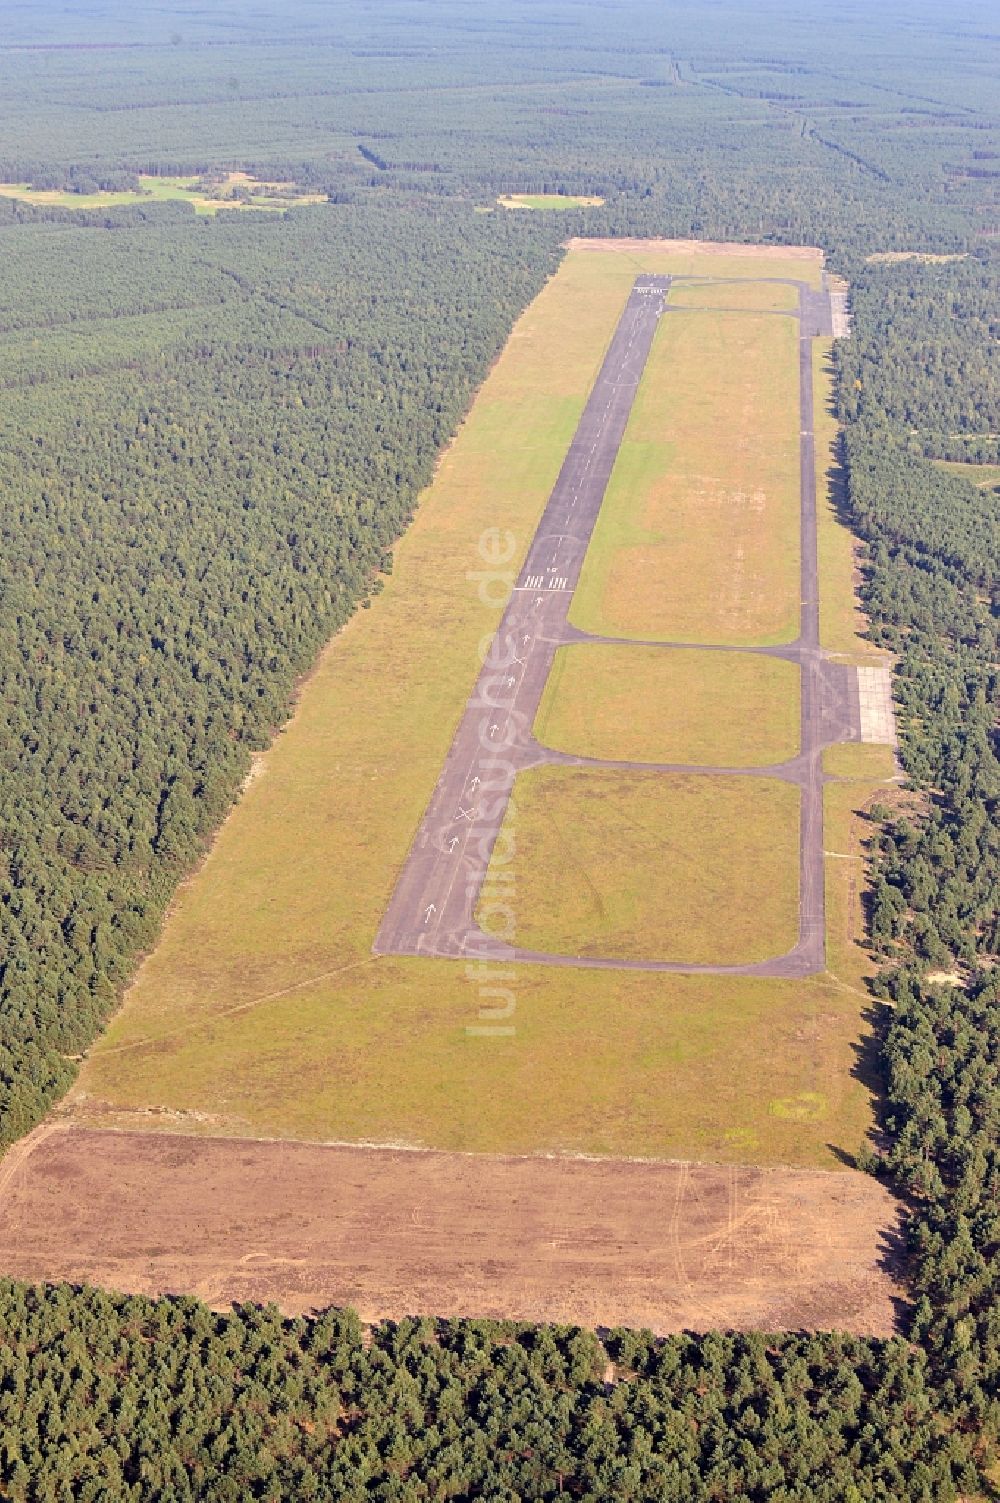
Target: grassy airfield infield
(639,704)
(698,537)
(262,1011)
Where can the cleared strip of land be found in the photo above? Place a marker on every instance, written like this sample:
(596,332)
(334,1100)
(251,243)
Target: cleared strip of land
(262,1012)
(431,909)
(668,1246)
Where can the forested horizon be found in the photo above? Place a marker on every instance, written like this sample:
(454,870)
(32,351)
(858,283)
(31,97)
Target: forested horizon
(212,431)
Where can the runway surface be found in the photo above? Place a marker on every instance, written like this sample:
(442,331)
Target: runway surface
(431,911)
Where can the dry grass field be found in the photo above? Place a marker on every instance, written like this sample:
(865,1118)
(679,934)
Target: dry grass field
(751,297)
(644,865)
(650,704)
(710,258)
(698,539)
(262,1011)
(548,201)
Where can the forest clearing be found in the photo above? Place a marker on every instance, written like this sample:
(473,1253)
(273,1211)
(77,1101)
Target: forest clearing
(226,190)
(549,201)
(261,1012)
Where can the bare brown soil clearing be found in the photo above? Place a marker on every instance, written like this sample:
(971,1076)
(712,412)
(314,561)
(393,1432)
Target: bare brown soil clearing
(699,247)
(395,1232)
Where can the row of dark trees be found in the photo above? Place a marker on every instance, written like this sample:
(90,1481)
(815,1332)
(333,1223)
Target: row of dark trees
(106,1397)
(931,592)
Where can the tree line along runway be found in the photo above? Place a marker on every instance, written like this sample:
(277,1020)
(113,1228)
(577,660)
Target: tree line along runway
(432,908)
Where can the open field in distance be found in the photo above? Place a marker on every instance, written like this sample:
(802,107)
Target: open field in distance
(548,201)
(262,195)
(987,476)
(925,258)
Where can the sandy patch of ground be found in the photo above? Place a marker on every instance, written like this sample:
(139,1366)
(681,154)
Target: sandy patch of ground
(701,247)
(393,1231)
(927,258)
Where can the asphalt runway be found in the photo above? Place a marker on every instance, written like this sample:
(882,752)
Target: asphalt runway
(432,908)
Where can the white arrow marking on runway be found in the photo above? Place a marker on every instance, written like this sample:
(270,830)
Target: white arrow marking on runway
(475,783)
(511,681)
(431,908)
(494,728)
(453,843)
